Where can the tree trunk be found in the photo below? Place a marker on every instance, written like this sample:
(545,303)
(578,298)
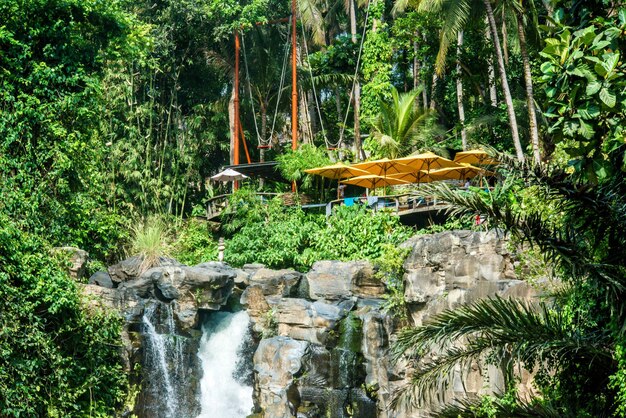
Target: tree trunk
(459,89)
(231,125)
(433,86)
(493,93)
(312,114)
(416,72)
(357,90)
(505,40)
(530,99)
(505,83)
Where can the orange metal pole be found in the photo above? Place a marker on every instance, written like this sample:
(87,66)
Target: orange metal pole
(236,133)
(237,47)
(294,87)
(245,144)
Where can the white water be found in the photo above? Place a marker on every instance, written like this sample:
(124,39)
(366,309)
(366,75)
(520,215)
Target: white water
(222,393)
(159,348)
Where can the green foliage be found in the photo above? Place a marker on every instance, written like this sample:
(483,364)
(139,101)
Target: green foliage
(194,243)
(51,176)
(397,125)
(355,233)
(584,78)
(391,271)
(293,163)
(377,67)
(59,357)
(268,233)
(282,237)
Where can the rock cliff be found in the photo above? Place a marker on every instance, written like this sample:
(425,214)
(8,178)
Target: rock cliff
(323,337)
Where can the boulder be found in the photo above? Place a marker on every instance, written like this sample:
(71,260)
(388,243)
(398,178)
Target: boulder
(277,361)
(101,278)
(309,321)
(78,260)
(189,289)
(276,282)
(131,268)
(333,280)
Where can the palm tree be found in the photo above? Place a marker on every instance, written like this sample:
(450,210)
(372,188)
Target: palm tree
(570,342)
(519,12)
(396,126)
(456,15)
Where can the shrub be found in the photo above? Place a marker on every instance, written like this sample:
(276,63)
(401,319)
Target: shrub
(57,358)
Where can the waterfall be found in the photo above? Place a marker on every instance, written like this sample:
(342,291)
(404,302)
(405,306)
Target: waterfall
(164,363)
(226,389)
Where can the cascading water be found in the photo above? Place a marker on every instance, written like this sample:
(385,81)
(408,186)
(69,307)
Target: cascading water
(226,389)
(165,374)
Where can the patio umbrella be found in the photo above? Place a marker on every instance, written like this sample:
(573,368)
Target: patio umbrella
(372,181)
(228,175)
(336,171)
(462,172)
(420,176)
(475,156)
(426,161)
(384,167)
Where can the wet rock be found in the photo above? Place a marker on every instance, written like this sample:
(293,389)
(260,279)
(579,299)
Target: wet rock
(335,280)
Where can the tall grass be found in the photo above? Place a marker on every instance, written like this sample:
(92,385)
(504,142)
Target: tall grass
(151,242)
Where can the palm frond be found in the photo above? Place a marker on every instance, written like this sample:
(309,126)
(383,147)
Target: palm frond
(517,409)
(503,330)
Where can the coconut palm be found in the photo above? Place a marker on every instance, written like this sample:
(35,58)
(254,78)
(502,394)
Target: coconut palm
(396,128)
(571,341)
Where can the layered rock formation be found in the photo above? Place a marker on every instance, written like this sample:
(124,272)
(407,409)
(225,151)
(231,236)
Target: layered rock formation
(162,307)
(323,337)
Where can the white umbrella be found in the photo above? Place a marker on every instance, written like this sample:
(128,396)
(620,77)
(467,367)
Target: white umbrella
(229,175)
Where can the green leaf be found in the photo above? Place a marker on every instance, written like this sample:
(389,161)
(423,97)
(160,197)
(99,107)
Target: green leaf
(589,112)
(593,88)
(586,130)
(607,97)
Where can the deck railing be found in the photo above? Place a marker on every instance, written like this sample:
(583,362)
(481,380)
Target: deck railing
(402,203)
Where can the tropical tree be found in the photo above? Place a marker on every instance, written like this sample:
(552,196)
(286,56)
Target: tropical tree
(457,14)
(396,128)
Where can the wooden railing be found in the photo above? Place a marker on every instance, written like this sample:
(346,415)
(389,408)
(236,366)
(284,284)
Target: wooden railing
(400,204)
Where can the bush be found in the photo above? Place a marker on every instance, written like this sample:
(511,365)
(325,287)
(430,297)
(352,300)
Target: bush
(57,358)
(194,243)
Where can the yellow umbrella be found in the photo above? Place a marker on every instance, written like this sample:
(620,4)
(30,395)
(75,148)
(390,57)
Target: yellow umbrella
(426,161)
(337,171)
(420,176)
(462,172)
(383,167)
(372,181)
(475,156)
